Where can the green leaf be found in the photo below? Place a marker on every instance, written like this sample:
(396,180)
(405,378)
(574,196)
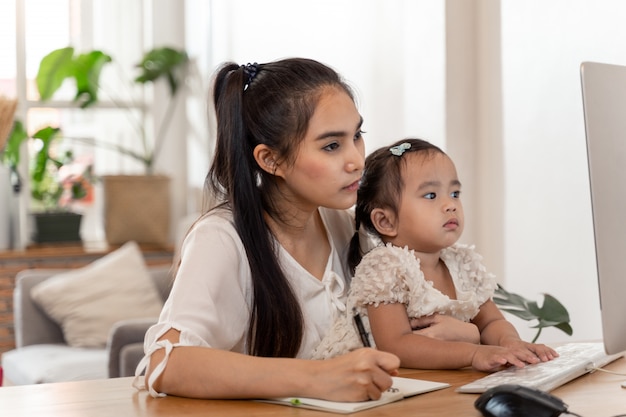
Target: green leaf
(522,314)
(54,68)
(86,71)
(566,328)
(11,154)
(61,64)
(163,62)
(553,310)
(46,135)
(551,314)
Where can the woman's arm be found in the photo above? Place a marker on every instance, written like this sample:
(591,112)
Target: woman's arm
(201,372)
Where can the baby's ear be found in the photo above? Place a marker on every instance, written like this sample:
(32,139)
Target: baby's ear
(384,220)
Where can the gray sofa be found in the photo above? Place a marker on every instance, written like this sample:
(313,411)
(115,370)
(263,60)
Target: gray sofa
(42,355)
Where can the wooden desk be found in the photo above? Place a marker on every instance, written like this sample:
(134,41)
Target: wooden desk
(595,395)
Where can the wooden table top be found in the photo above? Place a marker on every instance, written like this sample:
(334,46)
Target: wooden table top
(594,395)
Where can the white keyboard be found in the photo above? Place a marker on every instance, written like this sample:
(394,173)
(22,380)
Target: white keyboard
(575,359)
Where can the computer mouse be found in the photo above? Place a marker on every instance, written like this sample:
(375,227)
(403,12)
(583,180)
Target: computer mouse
(512,400)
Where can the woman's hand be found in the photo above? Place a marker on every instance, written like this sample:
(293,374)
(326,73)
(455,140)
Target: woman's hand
(361,375)
(442,327)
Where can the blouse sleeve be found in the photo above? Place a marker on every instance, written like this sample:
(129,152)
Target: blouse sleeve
(210,299)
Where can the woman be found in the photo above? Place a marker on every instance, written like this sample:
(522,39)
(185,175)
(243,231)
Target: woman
(263,275)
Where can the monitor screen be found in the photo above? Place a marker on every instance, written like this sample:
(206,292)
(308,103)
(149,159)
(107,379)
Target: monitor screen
(604,103)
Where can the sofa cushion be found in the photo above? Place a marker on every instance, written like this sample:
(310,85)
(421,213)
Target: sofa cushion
(39,364)
(88,301)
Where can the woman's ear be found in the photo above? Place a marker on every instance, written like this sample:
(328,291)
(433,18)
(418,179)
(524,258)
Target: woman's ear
(384,220)
(266,158)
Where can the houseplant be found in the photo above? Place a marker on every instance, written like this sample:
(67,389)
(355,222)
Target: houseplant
(551,314)
(57,181)
(126,196)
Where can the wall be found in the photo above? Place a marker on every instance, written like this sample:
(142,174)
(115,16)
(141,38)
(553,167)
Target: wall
(495,83)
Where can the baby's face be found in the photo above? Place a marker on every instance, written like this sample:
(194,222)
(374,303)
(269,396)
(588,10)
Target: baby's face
(430,213)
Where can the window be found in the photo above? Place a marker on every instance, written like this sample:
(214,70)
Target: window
(30,29)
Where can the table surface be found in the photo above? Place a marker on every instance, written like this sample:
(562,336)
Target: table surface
(598,394)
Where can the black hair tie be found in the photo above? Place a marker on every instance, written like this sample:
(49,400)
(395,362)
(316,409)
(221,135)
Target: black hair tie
(250,71)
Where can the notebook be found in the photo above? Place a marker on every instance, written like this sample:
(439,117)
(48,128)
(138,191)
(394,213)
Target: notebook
(402,388)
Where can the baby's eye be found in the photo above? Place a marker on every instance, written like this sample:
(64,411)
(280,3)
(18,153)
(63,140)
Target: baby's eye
(430,196)
(456,194)
(331,147)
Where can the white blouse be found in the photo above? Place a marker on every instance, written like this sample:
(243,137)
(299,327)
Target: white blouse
(211,298)
(389,274)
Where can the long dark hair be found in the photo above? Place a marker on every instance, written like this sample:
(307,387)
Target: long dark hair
(268,104)
(381,187)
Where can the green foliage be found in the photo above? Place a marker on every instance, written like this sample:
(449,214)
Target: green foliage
(85,69)
(551,314)
(163,62)
(10,156)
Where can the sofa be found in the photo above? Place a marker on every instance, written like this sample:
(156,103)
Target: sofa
(42,352)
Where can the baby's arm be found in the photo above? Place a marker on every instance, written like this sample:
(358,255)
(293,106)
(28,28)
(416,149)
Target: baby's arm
(496,330)
(392,332)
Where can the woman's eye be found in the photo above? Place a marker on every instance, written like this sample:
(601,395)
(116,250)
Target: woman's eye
(359,135)
(331,146)
(430,196)
(456,194)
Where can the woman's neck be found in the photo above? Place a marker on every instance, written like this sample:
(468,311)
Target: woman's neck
(304,237)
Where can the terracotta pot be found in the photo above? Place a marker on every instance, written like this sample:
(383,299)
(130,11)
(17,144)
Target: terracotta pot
(136,207)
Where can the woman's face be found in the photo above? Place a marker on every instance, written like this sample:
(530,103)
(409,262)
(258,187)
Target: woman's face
(329,161)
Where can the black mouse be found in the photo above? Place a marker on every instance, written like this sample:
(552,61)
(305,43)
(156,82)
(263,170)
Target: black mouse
(511,400)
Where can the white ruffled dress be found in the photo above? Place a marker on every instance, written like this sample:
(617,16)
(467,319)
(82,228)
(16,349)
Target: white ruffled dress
(389,274)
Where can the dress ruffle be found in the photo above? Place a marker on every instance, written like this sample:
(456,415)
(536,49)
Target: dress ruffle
(389,274)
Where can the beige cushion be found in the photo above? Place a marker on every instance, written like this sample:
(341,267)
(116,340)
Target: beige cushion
(86,302)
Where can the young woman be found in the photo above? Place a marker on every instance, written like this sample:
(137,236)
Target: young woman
(419,276)
(263,274)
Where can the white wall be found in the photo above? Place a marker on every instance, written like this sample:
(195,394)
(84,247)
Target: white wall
(494,82)
(548,230)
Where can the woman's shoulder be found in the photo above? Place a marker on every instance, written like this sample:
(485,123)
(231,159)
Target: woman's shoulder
(214,229)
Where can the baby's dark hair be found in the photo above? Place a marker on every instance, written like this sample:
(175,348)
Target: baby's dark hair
(381,187)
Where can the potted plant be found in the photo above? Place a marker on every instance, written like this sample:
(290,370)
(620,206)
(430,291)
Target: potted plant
(551,314)
(57,181)
(126,196)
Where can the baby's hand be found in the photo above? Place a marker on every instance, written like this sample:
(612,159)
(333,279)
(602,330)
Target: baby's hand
(488,358)
(442,327)
(535,351)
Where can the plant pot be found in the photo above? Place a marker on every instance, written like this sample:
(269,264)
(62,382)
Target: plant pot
(136,207)
(63,226)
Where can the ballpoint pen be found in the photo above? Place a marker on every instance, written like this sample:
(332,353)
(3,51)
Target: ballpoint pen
(359,325)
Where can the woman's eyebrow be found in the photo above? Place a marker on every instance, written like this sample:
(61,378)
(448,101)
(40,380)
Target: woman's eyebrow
(339,133)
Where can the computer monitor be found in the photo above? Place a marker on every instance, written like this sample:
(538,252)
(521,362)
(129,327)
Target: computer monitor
(604,103)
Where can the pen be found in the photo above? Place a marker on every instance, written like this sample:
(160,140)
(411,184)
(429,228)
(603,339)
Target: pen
(359,325)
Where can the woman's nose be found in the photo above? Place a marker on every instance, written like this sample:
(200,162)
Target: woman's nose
(355,160)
